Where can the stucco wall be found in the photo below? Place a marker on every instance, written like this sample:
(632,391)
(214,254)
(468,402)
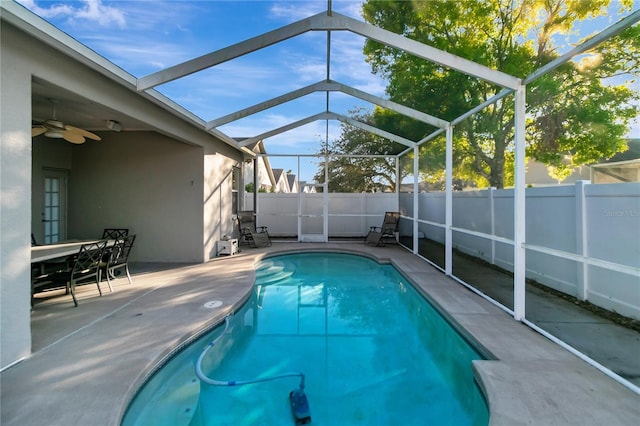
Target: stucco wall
(15,203)
(145,182)
(160,183)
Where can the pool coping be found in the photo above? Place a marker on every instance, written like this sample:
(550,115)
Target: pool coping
(531,381)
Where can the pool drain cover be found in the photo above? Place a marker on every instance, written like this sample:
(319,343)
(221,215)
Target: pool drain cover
(213,304)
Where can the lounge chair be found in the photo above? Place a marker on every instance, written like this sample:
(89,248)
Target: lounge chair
(378,235)
(249,234)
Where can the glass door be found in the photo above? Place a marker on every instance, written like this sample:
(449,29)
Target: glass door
(54,216)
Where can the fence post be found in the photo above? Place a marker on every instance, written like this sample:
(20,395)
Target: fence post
(582,276)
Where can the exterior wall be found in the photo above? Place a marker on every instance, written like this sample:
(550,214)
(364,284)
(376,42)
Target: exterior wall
(15,203)
(218,200)
(145,182)
(538,175)
(152,182)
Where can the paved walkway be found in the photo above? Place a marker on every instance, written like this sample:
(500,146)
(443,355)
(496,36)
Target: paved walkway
(89,361)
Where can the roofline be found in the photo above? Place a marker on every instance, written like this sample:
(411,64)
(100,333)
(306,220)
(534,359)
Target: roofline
(38,28)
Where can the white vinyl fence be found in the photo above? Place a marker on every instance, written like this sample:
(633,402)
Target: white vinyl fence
(581,239)
(350,215)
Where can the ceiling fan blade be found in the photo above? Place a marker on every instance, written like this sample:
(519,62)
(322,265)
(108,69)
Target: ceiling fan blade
(83,132)
(37,131)
(73,137)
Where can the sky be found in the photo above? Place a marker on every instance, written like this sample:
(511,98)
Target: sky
(146,36)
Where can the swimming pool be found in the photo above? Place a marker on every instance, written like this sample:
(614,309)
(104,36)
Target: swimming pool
(372,349)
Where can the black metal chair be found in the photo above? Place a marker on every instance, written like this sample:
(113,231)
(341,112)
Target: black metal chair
(249,234)
(84,269)
(378,235)
(118,258)
(114,233)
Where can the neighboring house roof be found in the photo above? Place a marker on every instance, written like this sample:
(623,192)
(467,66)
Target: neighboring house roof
(622,167)
(292,181)
(632,152)
(282,185)
(263,164)
(307,188)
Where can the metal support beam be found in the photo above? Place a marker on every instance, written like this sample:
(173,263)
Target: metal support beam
(614,29)
(326,22)
(310,119)
(448,210)
(416,190)
(393,106)
(328,116)
(225,54)
(482,106)
(421,50)
(279,100)
(374,130)
(328,86)
(519,217)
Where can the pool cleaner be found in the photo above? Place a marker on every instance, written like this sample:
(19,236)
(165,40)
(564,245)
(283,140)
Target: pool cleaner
(300,405)
(297,397)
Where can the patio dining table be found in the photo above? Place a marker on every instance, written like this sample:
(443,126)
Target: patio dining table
(54,251)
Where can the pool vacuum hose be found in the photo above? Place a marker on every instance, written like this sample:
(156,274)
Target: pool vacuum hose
(297,397)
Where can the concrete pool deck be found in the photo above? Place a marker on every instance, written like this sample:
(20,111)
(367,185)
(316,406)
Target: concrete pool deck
(88,361)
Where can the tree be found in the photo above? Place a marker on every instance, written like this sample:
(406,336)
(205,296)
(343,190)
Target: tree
(357,174)
(576,116)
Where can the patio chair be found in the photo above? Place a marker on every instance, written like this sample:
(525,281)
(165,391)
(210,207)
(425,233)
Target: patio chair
(378,235)
(84,269)
(249,234)
(118,258)
(114,233)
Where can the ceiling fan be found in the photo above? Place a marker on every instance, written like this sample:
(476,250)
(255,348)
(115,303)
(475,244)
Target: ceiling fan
(54,128)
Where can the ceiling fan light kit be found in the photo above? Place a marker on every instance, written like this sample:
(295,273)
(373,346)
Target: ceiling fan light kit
(56,134)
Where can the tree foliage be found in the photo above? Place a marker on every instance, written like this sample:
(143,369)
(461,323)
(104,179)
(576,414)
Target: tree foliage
(577,114)
(357,174)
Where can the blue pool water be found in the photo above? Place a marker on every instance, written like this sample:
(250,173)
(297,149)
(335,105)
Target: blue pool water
(374,352)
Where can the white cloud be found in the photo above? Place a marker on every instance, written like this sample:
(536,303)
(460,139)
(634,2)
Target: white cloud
(95,11)
(92,11)
(295,11)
